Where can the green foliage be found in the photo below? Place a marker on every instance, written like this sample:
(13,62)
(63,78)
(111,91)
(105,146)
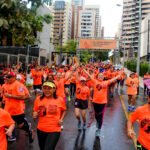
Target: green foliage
(70,46)
(85,56)
(144,66)
(19,21)
(101,55)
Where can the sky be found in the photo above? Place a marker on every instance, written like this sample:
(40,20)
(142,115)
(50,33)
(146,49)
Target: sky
(110,14)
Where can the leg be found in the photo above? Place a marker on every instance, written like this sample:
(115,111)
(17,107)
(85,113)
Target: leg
(129,99)
(83,114)
(99,113)
(77,113)
(51,140)
(42,136)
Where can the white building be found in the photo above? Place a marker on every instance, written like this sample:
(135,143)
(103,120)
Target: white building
(145,36)
(97,18)
(89,22)
(44,37)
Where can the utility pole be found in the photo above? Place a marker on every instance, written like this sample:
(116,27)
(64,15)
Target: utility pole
(27,58)
(148,51)
(61,39)
(139,39)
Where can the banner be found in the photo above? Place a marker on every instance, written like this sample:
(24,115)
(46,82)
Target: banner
(93,44)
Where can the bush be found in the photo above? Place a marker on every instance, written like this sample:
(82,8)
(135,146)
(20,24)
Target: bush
(144,66)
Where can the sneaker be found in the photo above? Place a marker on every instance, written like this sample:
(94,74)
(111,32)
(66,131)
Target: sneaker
(129,108)
(132,108)
(62,127)
(31,136)
(84,126)
(79,125)
(69,99)
(11,138)
(98,133)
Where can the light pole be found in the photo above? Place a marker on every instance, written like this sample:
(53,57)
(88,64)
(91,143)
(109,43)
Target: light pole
(139,39)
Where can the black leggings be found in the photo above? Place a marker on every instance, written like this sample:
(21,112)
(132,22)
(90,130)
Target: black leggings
(72,89)
(20,119)
(140,147)
(99,113)
(47,140)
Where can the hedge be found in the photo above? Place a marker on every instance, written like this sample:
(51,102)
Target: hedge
(144,66)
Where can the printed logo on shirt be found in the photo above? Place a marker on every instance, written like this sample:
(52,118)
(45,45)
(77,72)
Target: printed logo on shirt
(145,124)
(78,90)
(98,87)
(52,109)
(21,89)
(42,111)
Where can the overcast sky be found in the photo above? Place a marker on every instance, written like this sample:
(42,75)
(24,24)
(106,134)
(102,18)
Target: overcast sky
(110,13)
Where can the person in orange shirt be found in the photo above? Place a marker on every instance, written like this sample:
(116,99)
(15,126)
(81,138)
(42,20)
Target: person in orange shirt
(7,126)
(50,110)
(82,101)
(142,115)
(132,84)
(100,88)
(37,76)
(15,95)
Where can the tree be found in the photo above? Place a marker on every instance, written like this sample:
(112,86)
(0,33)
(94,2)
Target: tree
(70,46)
(20,22)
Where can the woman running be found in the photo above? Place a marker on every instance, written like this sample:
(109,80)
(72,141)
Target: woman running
(100,88)
(51,111)
(82,101)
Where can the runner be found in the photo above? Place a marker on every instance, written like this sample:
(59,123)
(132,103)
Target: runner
(82,101)
(132,85)
(7,126)
(100,98)
(142,115)
(51,111)
(14,96)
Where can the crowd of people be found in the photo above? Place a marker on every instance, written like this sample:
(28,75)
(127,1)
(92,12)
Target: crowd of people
(88,85)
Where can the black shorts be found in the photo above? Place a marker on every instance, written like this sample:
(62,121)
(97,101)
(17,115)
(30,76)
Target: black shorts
(37,87)
(81,104)
(19,119)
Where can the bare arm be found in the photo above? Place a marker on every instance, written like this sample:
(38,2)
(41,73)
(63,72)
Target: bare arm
(130,131)
(10,130)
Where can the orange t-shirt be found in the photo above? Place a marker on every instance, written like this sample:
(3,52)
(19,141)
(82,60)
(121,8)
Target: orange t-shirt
(82,92)
(67,74)
(37,77)
(100,91)
(49,113)
(60,91)
(132,85)
(142,114)
(15,106)
(4,90)
(5,121)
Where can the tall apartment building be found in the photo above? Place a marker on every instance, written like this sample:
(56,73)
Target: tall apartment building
(76,6)
(97,19)
(89,22)
(130,22)
(77,2)
(62,22)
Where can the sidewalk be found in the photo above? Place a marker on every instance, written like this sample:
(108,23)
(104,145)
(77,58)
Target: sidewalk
(140,78)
